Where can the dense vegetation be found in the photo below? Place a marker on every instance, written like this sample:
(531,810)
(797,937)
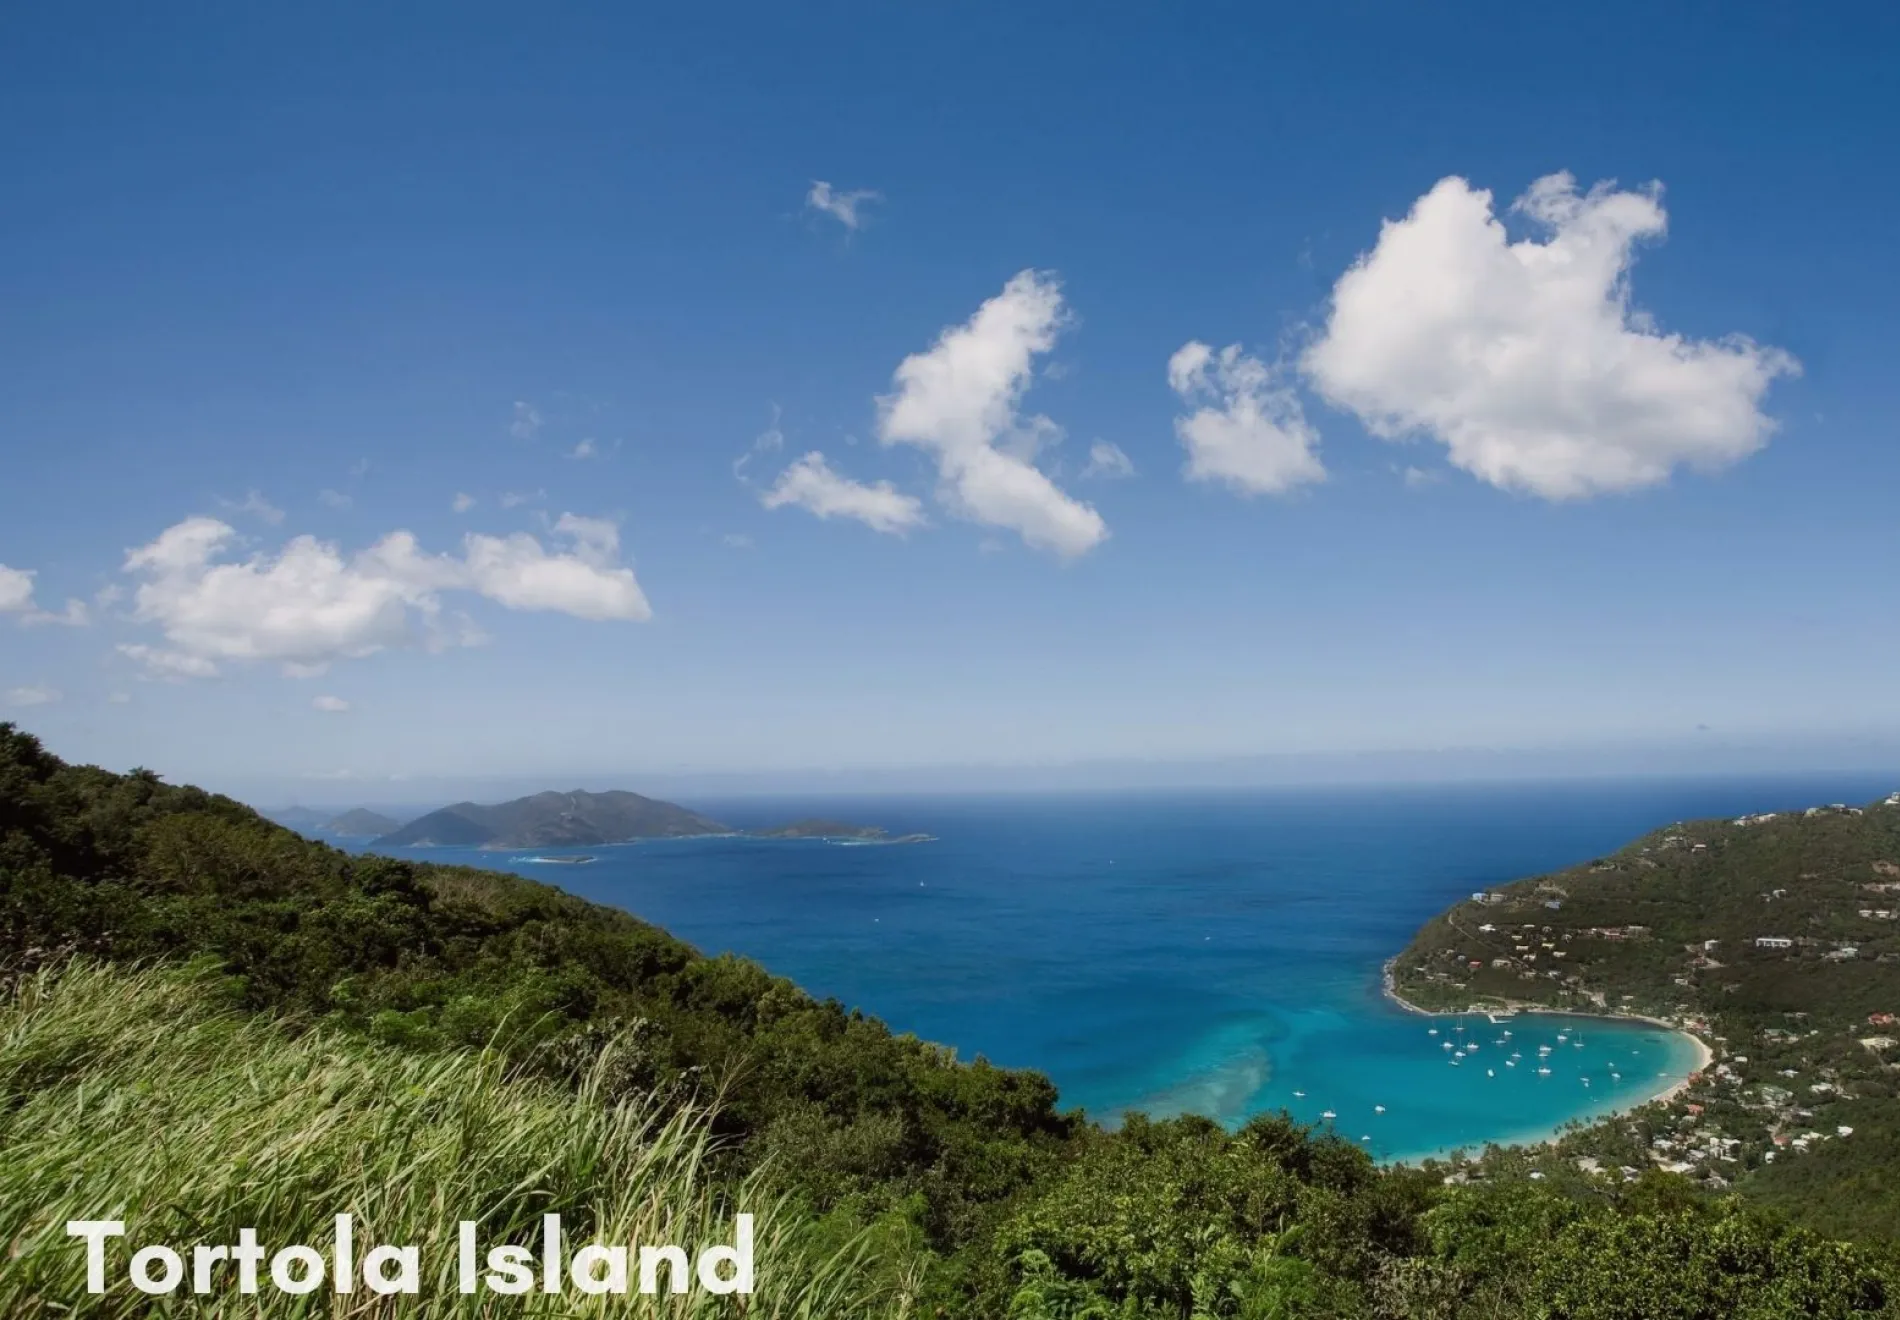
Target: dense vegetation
(1777,939)
(145,1089)
(286,974)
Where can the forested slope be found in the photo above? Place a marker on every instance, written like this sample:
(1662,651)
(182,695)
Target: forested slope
(954,1188)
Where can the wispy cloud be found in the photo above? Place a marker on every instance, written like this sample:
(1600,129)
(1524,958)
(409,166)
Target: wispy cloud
(163,662)
(329,705)
(1107,460)
(256,506)
(462,502)
(16,597)
(36,695)
(768,441)
(810,484)
(847,208)
(334,499)
(16,589)
(526,421)
(74,615)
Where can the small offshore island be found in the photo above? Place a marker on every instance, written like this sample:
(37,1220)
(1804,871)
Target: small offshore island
(836,831)
(1772,940)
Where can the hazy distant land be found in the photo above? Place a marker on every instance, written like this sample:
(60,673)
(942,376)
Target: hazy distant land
(557,820)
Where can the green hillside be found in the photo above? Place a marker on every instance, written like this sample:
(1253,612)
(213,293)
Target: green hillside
(204,1012)
(1777,939)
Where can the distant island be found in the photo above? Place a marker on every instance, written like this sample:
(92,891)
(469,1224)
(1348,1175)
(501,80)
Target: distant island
(570,820)
(552,820)
(360,823)
(839,831)
(317,823)
(817,828)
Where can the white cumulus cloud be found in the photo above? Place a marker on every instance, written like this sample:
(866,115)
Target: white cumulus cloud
(959,402)
(810,484)
(308,605)
(586,581)
(1249,430)
(330,705)
(844,207)
(1526,359)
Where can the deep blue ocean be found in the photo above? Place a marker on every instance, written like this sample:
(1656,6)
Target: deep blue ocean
(1207,952)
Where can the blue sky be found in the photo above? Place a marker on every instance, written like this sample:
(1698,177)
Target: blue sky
(1612,467)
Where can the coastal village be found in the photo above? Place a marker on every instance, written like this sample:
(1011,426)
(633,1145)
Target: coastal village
(1773,939)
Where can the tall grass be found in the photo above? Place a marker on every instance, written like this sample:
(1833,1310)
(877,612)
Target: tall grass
(138,1095)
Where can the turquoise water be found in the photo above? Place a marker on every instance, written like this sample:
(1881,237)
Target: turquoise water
(1210,953)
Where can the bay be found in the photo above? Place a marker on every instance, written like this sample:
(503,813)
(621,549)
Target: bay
(1208,952)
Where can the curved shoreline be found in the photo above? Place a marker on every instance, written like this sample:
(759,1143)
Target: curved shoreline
(1705,1054)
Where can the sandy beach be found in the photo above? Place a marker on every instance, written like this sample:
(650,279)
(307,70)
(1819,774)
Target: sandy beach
(1704,1057)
